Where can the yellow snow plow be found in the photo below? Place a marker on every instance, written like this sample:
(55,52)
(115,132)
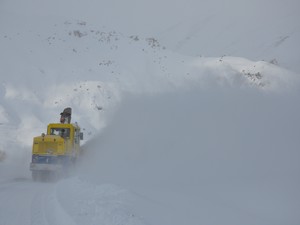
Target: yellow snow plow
(55,153)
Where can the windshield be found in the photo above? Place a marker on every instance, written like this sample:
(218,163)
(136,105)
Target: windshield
(63,132)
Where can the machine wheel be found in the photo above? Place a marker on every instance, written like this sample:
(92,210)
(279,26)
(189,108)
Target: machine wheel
(35,175)
(45,176)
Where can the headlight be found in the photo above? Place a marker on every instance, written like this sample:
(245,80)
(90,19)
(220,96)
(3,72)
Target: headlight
(35,158)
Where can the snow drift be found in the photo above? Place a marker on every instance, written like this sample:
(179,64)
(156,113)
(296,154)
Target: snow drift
(221,155)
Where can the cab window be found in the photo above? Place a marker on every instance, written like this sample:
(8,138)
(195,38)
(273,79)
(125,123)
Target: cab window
(63,132)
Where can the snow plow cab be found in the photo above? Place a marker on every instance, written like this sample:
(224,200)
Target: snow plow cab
(55,153)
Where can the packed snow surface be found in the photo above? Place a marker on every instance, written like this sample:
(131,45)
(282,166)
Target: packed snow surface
(190,110)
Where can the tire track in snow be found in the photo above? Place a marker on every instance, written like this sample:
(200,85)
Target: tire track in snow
(46,210)
(89,203)
(15,198)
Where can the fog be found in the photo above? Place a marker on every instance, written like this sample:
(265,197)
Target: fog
(225,156)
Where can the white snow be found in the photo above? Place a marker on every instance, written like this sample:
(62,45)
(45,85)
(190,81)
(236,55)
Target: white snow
(190,110)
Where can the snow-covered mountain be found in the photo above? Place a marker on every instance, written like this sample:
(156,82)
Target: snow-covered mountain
(189,110)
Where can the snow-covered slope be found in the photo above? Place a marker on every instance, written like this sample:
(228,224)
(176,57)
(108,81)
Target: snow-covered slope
(87,67)
(173,136)
(258,29)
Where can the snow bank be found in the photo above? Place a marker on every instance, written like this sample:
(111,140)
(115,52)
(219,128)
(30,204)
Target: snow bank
(211,156)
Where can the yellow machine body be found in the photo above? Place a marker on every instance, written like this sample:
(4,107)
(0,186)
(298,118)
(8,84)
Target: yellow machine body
(56,151)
